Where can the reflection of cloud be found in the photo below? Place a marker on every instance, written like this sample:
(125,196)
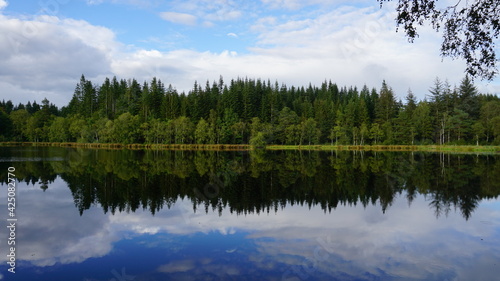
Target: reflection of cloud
(404,243)
(190,269)
(177,266)
(50,229)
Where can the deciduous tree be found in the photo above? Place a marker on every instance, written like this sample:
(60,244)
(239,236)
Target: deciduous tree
(470,30)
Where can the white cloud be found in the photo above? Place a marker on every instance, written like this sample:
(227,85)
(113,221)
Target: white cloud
(44,56)
(3,4)
(179,18)
(135,3)
(354,46)
(224,14)
(297,4)
(211,10)
(288,4)
(94,2)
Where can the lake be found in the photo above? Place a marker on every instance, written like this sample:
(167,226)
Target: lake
(85,214)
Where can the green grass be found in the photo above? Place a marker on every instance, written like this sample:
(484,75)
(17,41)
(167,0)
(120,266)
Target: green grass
(437,148)
(431,148)
(134,146)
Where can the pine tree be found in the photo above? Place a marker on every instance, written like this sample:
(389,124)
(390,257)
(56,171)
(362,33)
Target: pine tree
(385,107)
(171,103)
(468,98)
(6,125)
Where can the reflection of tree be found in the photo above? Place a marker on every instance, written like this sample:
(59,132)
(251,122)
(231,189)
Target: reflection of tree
(264,181)
(33,170)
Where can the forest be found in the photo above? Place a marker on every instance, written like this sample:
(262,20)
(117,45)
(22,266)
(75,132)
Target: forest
(256,112)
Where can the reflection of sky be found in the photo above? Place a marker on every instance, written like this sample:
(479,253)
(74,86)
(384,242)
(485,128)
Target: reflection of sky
(352,243)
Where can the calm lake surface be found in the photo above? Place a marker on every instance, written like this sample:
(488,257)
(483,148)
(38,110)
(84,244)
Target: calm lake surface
(283,215)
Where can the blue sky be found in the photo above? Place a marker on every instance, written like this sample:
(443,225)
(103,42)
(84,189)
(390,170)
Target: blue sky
(46,45)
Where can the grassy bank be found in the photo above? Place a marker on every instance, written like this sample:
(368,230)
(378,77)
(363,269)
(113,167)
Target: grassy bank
(133,146)
(430,148)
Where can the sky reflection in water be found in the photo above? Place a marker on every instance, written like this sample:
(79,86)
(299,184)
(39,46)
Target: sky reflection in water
(407,242)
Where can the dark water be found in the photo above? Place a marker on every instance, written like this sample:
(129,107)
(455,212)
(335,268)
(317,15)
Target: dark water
(180,215)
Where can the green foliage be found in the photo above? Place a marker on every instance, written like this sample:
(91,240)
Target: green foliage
(78,129)
(201,133)
(35,127)
(422,122)
(6,124)
(239,131)
(183,130)
(123,111)
(460,124)
(258,141)
(496,129)
(19,122)
(287,118)
(478,131)
(488,112)
(155,131)
(385,108)
(59,130)
(309,132)
(126,129)
(376,133)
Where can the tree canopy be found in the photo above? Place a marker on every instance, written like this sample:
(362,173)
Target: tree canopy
(470,30)
(258,112)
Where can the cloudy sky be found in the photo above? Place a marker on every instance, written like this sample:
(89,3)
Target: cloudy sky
(45,46)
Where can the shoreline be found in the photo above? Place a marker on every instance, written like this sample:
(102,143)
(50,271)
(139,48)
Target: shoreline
(247,147)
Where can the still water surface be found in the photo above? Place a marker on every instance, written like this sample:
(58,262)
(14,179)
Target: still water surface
(183,215)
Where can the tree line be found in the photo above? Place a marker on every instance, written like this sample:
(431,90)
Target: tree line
(258,112)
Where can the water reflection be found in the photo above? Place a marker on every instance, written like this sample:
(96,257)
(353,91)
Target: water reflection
(125,180)
(240,216)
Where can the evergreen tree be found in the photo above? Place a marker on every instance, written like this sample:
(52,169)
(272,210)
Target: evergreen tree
(6,125)
(468,98)
(132,97)
(286,118)
(460,124)
(155,99)
(171,103)
(247,107)
(422,120)
(385,107)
